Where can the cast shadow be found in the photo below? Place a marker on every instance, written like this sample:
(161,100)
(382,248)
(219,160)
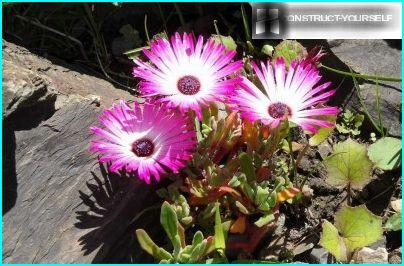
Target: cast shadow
(113,203)
(25,118)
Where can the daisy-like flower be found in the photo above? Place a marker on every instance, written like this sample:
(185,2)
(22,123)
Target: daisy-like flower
(293,94)
(148,140)
(186,74)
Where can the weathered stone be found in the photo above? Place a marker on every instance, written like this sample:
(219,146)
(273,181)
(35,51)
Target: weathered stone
(59,204)
(324,149)
(374,57)
(24,88)
(371,256)
(395,256)
(319,255)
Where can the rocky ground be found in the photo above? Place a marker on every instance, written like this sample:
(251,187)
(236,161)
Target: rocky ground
(60,206)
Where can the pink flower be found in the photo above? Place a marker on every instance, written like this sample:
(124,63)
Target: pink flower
(146,140)
(188,75)
(293,94)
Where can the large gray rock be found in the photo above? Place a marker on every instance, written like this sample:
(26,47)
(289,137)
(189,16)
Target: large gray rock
(374,57)
(59,204)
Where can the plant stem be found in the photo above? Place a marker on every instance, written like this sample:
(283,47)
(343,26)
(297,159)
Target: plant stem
(245,24)
(365,110)
(217,31)
(182,20)
(349,196)
(146,30)
(378,109)
(294,169)
(372,77)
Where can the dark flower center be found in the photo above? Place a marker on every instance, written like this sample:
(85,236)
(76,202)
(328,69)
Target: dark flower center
(279,110)
(189,85)
(143,147)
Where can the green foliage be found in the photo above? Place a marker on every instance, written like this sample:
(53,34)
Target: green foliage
(219,234)
(247,166)
(350,123)
(348,165)
(168,219)
(290,50)
(150,247)
(262,194)
(179,204)
(267,49)
(182,253)
(393,223)
(386,153)
(227,41)
(355,227)
(323,133)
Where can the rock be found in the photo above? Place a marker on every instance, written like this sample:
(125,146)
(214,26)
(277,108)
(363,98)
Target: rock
(381,243)
(19,66)
(324,149)
(396,205)
(23,88)
(319,255)
(59,204)
(371,256)
(395,256)
(374,57)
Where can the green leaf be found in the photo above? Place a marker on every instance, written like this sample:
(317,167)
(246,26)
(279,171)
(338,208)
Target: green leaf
(198,252)
(386,153)
(267,218)
(267,49)
(187,220)
(219,235)
(150,247)
(168,219)
(198,238)
(322,134)
(247,166)
(234,182)
(356,226)
(393,223)
(331,241)
(289,50)
(226,41)
(262,195)
(242,208)
(348,164)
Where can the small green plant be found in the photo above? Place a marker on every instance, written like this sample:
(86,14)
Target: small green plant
(355,227)
(350,123)
(196,252)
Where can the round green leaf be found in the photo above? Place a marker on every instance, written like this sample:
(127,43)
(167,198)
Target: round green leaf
(355,227)
(348,164)
(331,241)
(386,153)
(358,226)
